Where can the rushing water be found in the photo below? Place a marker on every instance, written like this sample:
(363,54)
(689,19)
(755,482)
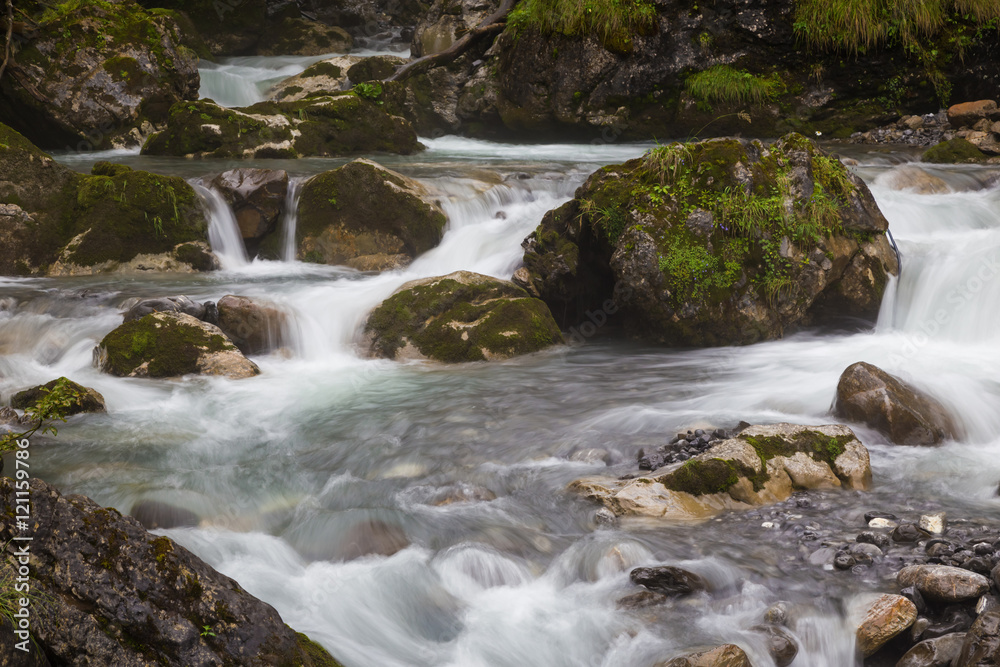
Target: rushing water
(286,467)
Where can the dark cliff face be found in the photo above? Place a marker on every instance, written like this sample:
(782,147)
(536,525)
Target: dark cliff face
(575,86)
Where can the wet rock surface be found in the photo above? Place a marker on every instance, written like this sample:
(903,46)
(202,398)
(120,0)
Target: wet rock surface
(88,400)
(86,560)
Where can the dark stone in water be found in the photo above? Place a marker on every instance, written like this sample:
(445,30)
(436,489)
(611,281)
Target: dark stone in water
(870,537)
(156,514)
(844,561)
(913,595)
(780,644)
(668,580)
(954,618)
(642,600)
(909,532)
(170,304)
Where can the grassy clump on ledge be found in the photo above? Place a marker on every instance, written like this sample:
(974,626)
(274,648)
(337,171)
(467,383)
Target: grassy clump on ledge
(614,22)
(855,25)
(726,85)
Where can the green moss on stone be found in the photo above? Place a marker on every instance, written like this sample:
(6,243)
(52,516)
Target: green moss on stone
(455,322)
(170,348)
(954,151)
(816,445)
(699,477)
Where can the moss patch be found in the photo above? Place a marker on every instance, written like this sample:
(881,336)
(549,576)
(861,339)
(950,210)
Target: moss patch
(954,151)
(816,445)
(452,321)
(170,348)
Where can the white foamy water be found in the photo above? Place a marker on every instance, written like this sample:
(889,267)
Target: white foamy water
(284,466)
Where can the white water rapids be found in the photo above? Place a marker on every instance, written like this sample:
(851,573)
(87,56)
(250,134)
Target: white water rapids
(283,466)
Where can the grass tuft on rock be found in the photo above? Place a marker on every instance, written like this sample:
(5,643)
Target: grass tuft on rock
(729,86)
(614,22)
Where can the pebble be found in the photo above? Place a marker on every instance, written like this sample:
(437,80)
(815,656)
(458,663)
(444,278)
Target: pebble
(932,523)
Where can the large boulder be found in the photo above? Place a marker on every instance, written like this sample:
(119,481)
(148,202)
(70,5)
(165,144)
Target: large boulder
(460,317)
(222,27)
(85,400)
(868,395)
(164,345)
(57,221)
(936,652)
(366,216)
(325,126)
(301,37)
(254,327)
(107,592)
(257,198)
(714,243)
(759,466)
(97,75)
(967,114)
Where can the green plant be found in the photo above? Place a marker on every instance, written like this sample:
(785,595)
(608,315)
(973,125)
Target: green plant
(371,90)
(52,407)
(206,631)
(614,22)
(725,85)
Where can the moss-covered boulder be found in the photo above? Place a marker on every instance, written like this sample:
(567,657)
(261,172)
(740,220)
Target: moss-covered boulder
(714,243)
(326,77)
(86,399)
(759,466)
(107,592)
(326,126)
(302,37)
(366,216)
(56,221)
(164,345)
(97,74)
(227,27)
(868,395)
(954,151)
(460,317)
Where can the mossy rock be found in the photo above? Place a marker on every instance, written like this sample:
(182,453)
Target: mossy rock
(364,210)
(325,126)
(164,345)
(89,400)
(226,27)
(375,68)
(94,72)
(759,466)
(718,242)
(954,151)
(327,77)
(74,223)
(460,317)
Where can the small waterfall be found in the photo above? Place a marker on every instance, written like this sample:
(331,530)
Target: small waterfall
(223,232)
(240,82)
(290,219)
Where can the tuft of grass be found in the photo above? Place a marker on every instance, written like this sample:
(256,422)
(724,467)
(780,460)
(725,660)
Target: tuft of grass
(614,22)
(726,85)
(858,25)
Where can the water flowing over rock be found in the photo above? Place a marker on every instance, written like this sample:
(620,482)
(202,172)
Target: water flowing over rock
(668,580)
(86,560)
(90,400)
(759,466)
(163,345)
(886,617)
(460,317)
(97,76)
(171,304)
(257,197)
(715,243)
(56,221)
(366,216)
(868,395)
(326,126)
(254,327)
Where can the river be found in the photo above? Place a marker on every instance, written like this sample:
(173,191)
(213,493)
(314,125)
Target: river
(284,467)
